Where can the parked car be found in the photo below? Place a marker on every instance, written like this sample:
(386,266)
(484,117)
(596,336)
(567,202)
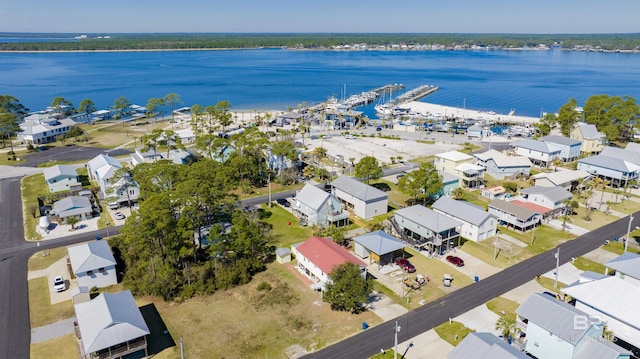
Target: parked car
(404,264)
(59,284)
(456,261)
(119,215)
(283,202)
(114,205)
(349,137)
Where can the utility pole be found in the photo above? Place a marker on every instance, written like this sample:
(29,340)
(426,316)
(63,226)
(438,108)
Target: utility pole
(626,242)
(395,350)
(495,247)
(555,283)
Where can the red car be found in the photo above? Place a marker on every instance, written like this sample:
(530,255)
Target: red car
(404,264)
(456,261)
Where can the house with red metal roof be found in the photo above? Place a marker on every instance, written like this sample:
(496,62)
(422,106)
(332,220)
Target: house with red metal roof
(318,256)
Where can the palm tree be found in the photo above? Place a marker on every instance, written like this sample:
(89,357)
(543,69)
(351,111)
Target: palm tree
(557,161)
(601,182)
(507,326)
(458,193)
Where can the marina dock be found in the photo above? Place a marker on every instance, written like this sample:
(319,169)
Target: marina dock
(416,94)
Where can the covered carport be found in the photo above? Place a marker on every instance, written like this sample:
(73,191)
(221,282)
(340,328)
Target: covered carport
(379,246)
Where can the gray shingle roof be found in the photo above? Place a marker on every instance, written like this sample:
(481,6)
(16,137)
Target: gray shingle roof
(598,349)
(623,153)
(447,177)
(380,242)
(462,210)
(521,213)
(561,140)
(72,205)
(554,194)
(613,163)
(511,161)
(553,315)
(484,346)
(430,219)
(358,189)
(108,320)
(627,263)
(60,170)
(538,146)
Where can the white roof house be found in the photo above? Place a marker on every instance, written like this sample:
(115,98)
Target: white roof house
(61,178)
(448,161)
(557,330)
(500,166)
(540,153)
(477,224)
(567,179)
(365,201)
(548,197)
(41,128)
(485,346)
(93,264)
(101,169)
(109,320)
(73,206)
(569,148)
(592,140)
(314,206)
(618,165)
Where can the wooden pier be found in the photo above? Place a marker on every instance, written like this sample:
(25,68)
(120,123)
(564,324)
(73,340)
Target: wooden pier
(415,94)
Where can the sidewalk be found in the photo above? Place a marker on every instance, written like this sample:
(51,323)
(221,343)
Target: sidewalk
(52,331)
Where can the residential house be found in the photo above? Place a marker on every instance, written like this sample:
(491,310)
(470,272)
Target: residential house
(93,264)
(554,329)
(569,148)
(501,166)
(287,118)
(101,115)
(62,178)
(495,192)
(485,346)
(365,201)
(426,229)
(477,224)
(73,206)
(149,156)
(613,298)
(449,161)
(548,197)
(40,128)
(449,183)
(186,136)
(477,131)
(567,179)
(317,257)
(316,207)
(470,175)
(616,165)
(510,214)
(379,246)
(102,169)
(111,326)
(540,153)
(593,142)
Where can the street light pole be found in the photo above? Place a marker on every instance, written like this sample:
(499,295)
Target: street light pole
(107,225)
(626,242)
(395,350)
(555,283)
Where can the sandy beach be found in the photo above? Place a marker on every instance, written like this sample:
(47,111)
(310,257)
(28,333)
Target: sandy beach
(448,111)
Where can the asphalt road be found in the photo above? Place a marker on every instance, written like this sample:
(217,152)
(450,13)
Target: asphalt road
(15,331)
(67,153)
(369,342)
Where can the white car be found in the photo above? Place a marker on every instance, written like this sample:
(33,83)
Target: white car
(59,284)
(349,137)
(119,215)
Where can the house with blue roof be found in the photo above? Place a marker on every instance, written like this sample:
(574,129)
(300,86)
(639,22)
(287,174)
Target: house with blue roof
(379,246)
(477,224)
(540,153)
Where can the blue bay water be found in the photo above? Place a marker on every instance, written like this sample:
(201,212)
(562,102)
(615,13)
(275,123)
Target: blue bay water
(528,81)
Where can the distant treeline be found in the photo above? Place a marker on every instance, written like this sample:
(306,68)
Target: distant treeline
(317,41)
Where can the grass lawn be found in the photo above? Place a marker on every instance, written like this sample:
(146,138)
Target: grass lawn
(396,198)
(113,134)
(41,312)
(7,160)
(484,251)
(62,347)
(503,306)
(258,324)
(475,198)
(598,219)
(452,333)
(545,238)
(284,234)
(627,206)
(275,188)
(33,186)
(548,284)
(618,247)
(435,269)
(44,259)
(587,264)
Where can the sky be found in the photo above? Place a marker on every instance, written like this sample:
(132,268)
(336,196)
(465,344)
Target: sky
(333,16)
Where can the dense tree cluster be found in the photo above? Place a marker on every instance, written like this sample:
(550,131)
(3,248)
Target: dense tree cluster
(326,40)
(348,289)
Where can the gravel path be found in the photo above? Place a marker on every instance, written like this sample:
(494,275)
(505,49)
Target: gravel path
(52,331)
